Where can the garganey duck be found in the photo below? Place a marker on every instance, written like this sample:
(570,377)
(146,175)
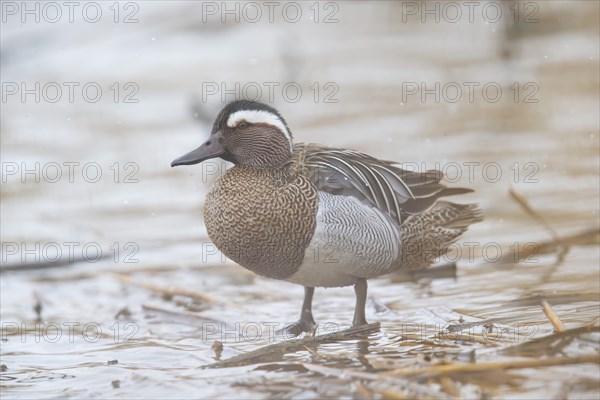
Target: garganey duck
(320,216)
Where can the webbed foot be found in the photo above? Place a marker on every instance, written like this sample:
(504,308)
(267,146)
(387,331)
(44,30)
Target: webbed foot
(303,325)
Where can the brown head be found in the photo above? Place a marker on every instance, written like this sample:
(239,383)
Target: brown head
(246,133)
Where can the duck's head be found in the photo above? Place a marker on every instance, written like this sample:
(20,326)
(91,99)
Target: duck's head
(246,133)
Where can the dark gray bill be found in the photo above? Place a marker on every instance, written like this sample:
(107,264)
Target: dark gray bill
(210,149)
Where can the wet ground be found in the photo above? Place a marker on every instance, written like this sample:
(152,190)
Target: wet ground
(148,301)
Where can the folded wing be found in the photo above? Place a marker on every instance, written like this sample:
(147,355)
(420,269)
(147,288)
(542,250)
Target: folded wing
(379,183)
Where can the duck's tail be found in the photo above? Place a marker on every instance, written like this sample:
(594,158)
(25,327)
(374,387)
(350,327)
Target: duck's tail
(428,235)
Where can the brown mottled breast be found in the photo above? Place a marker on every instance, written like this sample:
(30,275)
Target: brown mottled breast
(262,219)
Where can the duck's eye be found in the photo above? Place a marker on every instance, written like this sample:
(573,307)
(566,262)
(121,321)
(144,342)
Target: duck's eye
(242,124)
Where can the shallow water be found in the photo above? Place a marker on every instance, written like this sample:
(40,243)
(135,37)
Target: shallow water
(104,331)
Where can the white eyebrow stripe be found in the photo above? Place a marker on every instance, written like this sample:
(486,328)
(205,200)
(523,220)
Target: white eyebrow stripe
(258,117)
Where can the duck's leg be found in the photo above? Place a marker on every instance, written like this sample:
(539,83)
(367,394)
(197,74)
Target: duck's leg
(306,322)
(360,288)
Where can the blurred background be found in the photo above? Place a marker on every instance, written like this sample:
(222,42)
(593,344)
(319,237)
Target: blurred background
(99,232)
